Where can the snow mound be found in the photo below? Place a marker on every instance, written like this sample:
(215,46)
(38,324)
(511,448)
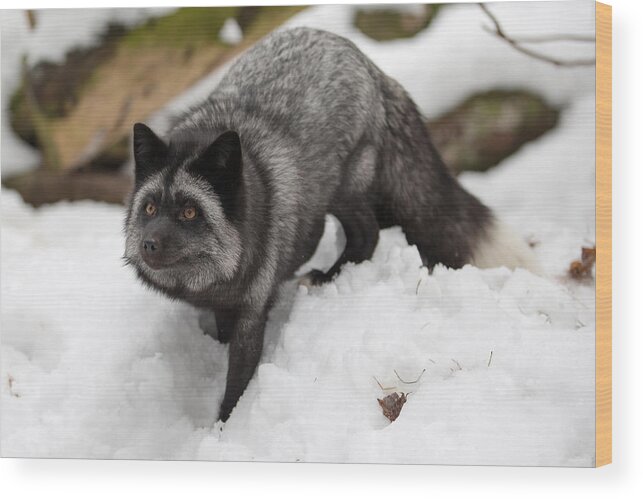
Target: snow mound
(102,367)
(231,32)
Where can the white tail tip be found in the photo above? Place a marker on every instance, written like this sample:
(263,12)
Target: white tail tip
(502,247)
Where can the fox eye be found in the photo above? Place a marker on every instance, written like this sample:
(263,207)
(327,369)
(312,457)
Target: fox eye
(189,213)
(150,209)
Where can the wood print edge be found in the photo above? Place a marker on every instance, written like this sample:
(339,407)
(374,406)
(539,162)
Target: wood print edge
(603,234)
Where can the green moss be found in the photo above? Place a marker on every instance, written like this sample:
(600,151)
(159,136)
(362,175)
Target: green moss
(19,117)
(189,26)
(390,24)
(269,18)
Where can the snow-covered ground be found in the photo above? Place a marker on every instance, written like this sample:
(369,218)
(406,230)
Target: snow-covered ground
(94,365)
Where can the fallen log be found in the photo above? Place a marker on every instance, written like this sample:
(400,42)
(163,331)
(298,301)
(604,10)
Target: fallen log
(40,186)
(475,135)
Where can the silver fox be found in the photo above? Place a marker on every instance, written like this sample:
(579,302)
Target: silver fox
(232,201)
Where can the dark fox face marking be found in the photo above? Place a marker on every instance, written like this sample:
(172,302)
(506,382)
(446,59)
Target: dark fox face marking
(179,233)
(168,228)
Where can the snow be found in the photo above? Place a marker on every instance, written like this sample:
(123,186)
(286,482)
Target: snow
(466,59)
(231,32)
(95,365)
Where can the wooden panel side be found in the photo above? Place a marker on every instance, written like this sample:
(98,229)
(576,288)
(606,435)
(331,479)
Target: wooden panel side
(603,234)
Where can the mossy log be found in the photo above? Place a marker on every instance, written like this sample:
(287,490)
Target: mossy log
(476,135)
(87,103)
(41,186)
(489,127)
(384,23)
(91,99)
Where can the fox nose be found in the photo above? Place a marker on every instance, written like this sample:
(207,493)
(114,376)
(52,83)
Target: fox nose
(151,246)
(153,253)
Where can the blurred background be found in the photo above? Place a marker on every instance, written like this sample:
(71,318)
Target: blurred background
(74,81)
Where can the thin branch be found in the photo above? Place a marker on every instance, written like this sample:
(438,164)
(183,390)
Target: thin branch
(544,38)
(409,382)
(499,32)
(384,389)
(556,38)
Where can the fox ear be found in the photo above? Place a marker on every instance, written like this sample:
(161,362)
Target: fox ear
(221,164)
(149,151)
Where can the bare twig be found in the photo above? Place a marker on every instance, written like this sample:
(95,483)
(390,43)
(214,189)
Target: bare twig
(547,316)
(380,385)
(490,357)
(11,391)
(31,19)
(516,44)
(556,38)
(409,382)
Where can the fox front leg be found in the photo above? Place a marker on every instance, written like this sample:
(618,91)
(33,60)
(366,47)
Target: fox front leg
(246,345)
(219,323)
(208,323)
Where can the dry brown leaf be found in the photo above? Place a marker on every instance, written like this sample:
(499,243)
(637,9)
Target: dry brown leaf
(392,405)
(580,269)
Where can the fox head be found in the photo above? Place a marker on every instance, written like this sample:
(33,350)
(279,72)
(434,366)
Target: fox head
(182,223)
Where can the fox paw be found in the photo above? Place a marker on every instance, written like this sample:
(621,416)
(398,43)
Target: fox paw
(314,278)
